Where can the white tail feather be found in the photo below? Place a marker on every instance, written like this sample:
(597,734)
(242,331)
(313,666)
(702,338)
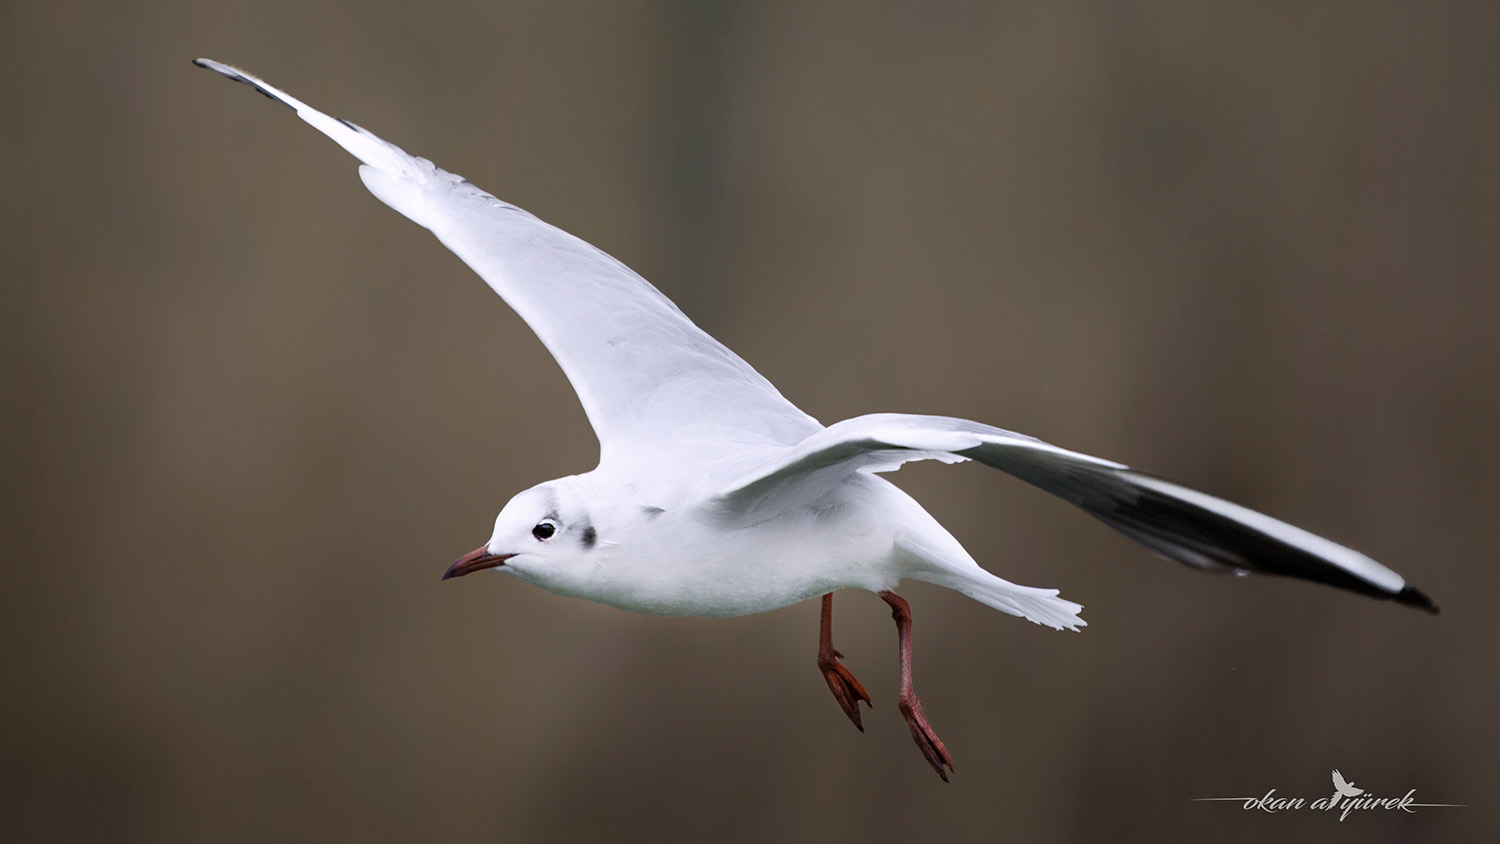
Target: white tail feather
(1042,606)
(932,554)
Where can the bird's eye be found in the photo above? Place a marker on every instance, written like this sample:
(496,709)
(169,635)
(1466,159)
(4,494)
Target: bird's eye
(544,530)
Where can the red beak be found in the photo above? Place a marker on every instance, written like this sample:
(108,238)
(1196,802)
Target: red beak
(479,558)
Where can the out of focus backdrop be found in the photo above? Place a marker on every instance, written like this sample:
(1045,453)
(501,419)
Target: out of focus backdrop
(249,414)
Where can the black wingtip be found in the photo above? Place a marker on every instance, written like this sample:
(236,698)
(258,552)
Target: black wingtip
(1414,597)
(232,73)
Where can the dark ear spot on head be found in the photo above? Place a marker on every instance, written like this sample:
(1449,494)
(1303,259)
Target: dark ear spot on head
(589,536)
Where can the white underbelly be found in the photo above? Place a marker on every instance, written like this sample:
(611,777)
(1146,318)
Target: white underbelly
(715,573)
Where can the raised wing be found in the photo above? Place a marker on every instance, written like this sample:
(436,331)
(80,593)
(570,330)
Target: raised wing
(643,371)
(1176,522)
(1345,787)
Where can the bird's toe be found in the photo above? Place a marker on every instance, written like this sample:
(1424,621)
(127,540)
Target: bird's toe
(846,689)
(926,738)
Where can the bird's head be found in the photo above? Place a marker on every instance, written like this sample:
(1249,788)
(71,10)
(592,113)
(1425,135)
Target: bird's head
(542,534)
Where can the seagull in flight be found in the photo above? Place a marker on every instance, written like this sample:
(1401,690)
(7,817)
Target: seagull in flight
(715,496)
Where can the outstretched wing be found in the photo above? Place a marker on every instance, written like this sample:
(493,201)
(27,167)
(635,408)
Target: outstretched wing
(643,371)
(1176,522)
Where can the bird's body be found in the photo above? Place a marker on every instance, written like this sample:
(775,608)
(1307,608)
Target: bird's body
(670,548)
(674,554)
(715,496)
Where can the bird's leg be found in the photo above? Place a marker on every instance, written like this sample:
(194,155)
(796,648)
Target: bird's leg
(846,690)
(911,707)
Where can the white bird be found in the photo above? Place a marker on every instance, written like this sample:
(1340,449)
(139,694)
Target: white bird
(715,496)
(1342,788)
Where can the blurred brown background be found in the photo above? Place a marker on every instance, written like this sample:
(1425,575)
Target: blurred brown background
(250,414)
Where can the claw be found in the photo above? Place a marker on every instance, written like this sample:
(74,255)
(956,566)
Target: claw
(846,689)
(925,737)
